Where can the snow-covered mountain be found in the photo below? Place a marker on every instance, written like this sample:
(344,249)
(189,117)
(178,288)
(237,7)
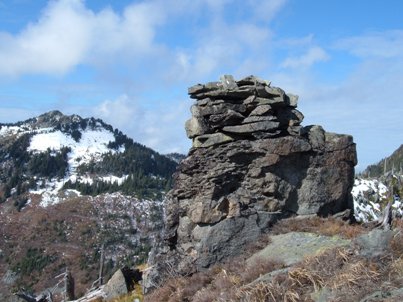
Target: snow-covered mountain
(69,188)
(84,156)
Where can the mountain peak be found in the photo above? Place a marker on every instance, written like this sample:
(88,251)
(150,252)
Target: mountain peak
(387,166)
(68,151)
(54,118)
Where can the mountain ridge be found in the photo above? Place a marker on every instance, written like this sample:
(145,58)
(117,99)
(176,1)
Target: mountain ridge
(71,187)
(73,149)
(392,163)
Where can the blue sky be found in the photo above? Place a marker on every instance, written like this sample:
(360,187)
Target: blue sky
(130,62)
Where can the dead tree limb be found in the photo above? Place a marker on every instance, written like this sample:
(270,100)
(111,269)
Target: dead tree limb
(69,286)
(101,266)
(385,221)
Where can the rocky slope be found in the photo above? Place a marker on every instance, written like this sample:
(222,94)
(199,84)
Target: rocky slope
(69,186)
(302,259)
(251,164)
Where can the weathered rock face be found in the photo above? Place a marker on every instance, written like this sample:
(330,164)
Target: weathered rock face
(251,164)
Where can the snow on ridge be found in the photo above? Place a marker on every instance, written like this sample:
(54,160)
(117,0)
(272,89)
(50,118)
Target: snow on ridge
(362,186)
(367,195)
(364,209)
(91,146)
(90,180)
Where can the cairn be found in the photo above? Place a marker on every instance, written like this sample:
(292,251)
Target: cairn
(246,109)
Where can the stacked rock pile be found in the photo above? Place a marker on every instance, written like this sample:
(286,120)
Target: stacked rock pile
(251,164)
(246,109)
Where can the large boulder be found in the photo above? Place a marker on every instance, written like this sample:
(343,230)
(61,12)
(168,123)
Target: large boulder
(255,166)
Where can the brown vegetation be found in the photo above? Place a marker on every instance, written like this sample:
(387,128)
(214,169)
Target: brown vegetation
(218,283)
(341,272)
(318,225)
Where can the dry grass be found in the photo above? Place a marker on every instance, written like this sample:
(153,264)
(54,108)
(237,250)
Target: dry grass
(218,283)
(350,278)
(397,267)
(273,291)
(342,271)
(318,225)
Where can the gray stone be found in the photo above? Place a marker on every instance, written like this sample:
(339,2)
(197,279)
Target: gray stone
(208,140)
(292,100)
(228,118)
(236,94)
(294,130)
(261,110)
(195,111)
(266,134)
(226,238)
(228,82)
(252,80)
(274,91)
(289,116)
(213,86)
(203,102)
(116,286)
(316,136)
(221,108)
(199,88)
(252,127)
(195,127)
(275,101)
(374,243)
(250,100)
(292,248)
(196,89)
(254,119)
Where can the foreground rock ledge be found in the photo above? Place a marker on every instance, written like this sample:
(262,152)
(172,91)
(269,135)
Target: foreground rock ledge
(251,164)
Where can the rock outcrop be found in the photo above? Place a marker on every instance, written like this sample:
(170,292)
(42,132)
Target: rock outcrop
(251,164)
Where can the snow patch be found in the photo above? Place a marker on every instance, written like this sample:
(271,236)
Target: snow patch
(92,145)
(367,193)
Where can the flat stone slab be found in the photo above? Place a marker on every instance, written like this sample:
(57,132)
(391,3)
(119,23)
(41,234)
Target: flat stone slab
(252,127)
(294,247)
(208,140)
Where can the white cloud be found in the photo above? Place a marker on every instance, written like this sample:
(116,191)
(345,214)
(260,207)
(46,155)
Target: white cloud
(366,103)
(160,127)
(267,10)
(225,47)
(297,42)
(68,34)
(313,55)
(387,44)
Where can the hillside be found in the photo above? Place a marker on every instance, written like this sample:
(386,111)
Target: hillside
(391,164)
(54,151)
(70,187)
